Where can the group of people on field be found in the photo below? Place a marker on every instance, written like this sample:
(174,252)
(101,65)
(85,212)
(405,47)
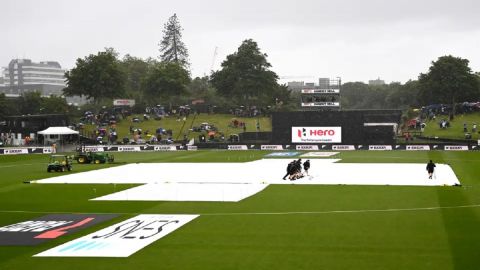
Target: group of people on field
(294,169)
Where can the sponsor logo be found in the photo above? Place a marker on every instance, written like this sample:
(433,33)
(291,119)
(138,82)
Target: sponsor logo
(15,151)
(271,147)
(237,147)
(165,148)
(128,148)
(343,147)
(39,230)
(122,239)
(282,154)
(456,147)
(418,147)
(316,134)
(307,147)
(379,147)
(93,149)
(124,102)
(192,148)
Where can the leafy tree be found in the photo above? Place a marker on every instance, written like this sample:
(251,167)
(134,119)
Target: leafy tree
(54,104)
(353,95)
(449,80)
(172,48)
(166,81)
(30,103)
(96,76)
(7,106)
(403,96)
(136,70)
(245,76)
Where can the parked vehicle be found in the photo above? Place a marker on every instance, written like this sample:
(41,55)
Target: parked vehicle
(59,163)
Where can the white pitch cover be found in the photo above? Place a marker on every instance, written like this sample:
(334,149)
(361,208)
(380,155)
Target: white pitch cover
(122,239)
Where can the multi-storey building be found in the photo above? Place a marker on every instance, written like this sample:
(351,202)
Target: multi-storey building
(23,75)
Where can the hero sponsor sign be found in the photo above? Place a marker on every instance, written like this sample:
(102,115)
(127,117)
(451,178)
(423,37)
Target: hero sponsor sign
(379,147)
(418,147)
(192,148)
(307,147)
(15,151)
(456,147)
(122,239)
(343,147)
(165,148)
(316,134)
(237,147)
(124,102)
(42,229)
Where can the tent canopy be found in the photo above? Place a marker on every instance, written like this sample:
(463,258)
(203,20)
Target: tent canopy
(58,131)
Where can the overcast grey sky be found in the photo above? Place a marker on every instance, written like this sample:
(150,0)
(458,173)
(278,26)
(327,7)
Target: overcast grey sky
(357,40)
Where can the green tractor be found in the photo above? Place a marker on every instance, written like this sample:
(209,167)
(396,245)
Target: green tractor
(95,157)
(59,163)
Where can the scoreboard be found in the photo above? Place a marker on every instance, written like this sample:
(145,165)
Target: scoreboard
(322,97)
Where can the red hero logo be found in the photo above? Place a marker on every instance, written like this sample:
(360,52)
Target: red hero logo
(316,132)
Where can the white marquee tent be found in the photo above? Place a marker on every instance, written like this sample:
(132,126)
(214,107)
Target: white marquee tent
(54,134)
(58,131)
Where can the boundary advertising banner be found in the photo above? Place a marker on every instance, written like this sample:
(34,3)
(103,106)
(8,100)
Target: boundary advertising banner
(418,147)
(380,147)
(307,147)
(456,147)
(49,227)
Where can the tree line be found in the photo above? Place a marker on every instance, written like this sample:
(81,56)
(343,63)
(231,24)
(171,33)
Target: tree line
(244,79)
(449,80)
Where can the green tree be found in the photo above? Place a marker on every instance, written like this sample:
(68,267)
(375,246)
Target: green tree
(7,106)
(54,104)
(403,96)
(353,95)
(136,70)
(166,82)
(96,76)
(449,80)
(172,48)
(246,78)
(30,103)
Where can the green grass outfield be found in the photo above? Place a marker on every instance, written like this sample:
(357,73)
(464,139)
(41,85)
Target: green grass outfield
(282,227)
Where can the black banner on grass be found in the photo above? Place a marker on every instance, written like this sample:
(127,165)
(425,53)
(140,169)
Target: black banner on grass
(42,229)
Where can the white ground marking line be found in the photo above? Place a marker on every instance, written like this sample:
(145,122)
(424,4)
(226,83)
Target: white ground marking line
(9,166)
(270,213)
